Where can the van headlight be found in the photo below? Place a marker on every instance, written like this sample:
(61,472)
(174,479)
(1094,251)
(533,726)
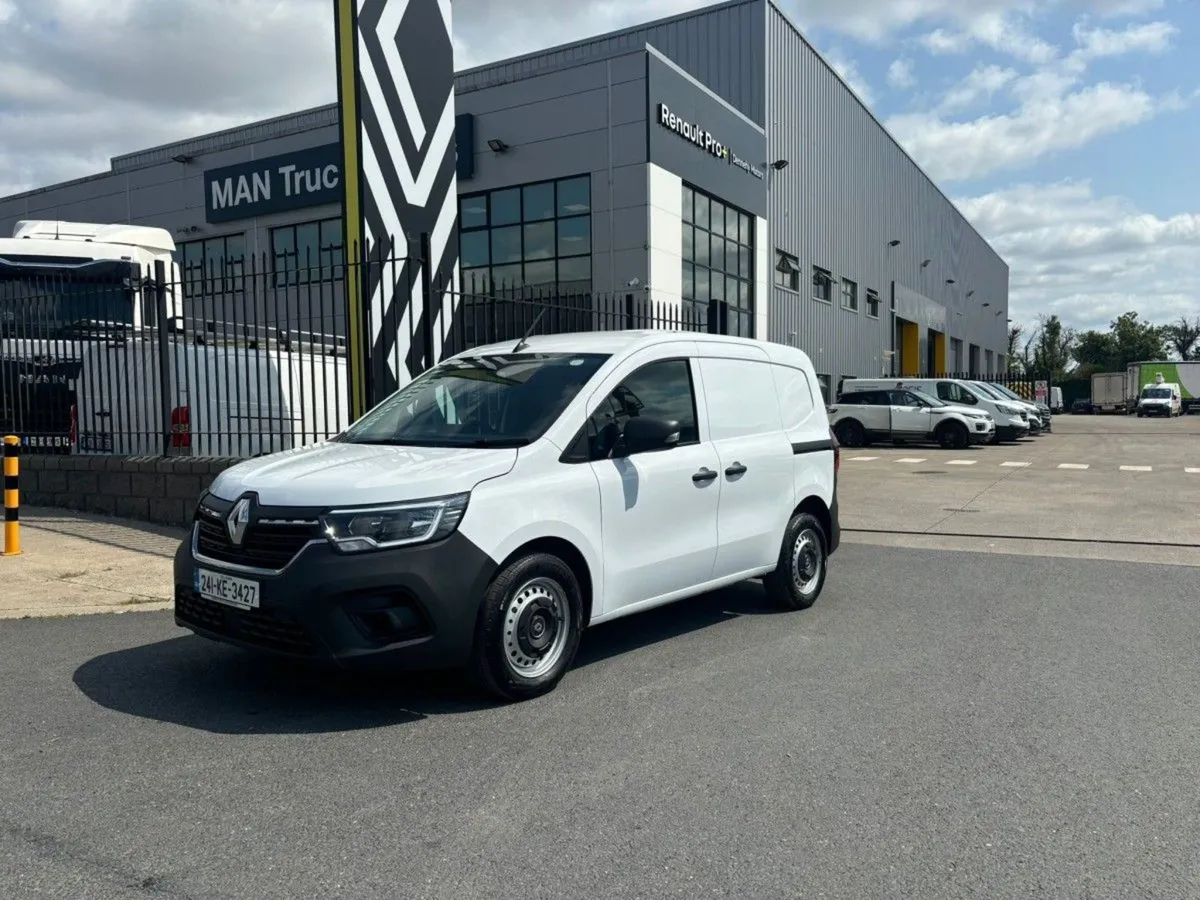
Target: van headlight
(397,525)
(1008,410)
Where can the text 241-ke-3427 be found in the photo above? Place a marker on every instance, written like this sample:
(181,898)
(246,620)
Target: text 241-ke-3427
(511,496)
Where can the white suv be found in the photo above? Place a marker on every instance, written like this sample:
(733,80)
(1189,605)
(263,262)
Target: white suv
(489,511)
(865,413)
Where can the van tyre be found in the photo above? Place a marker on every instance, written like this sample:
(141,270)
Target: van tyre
(850,433)
(953,436)
(803,561)
(528,628)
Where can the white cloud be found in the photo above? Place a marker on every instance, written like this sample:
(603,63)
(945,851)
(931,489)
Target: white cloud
(981,84)
(1089,258)
(1151,37)
(900,74)
(849,71)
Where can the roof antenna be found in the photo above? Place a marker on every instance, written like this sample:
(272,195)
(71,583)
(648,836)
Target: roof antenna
(521,343)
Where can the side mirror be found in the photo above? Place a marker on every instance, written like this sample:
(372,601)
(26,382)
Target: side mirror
(643,434)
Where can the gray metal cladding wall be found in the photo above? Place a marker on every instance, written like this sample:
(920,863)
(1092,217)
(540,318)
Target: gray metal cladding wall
(848,191)
(722,46)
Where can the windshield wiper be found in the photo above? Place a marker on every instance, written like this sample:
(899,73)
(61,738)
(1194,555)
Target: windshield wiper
(448,444)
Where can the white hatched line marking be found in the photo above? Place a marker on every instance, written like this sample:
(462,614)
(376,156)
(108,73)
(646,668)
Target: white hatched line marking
(1137,468)
(1073,465)
(1192,471)
(861,458)
(1014,465)
(909,460)
(961,462)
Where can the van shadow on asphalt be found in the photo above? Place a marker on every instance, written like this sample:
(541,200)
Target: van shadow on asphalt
(200,684)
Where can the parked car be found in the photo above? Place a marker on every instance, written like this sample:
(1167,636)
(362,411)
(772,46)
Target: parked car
(1082,406)
(861,417)
(509,498)
(1038,413)
(1011,425)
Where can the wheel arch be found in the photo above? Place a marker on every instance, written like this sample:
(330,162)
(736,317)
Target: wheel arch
(816,507)
(569,554)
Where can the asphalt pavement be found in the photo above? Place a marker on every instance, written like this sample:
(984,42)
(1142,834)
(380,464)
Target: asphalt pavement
(939,725)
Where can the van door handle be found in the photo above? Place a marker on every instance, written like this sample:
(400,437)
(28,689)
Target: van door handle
(704,476)
(736,469)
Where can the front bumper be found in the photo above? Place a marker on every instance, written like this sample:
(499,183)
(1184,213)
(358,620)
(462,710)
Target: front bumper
(1012,429)
(411,607)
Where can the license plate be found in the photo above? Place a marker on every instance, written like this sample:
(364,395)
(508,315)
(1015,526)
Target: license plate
(226,589)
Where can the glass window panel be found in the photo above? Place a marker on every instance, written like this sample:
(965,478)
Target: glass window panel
(702,292)
(574,196)
(717,259)
(506,207)
(506,277)
(574,236)
(539,201)
(689,280)
(701,211)
(745,296)
(473,245)
(732,220)
(688,201)
(539,240)
(475,281)
(747,230)
(235,247)
(472,212)
(307,247)
(689,242)
(717,287)
(731,257)
(731,290)
(506,244)
(331,233)
(539,273)
(747,324)
(700,251)
(716,218)
(743,266)
(578,268)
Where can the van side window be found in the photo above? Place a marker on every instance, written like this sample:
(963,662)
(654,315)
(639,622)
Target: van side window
(741,398)
(660,389)
(795,395)
(952,392)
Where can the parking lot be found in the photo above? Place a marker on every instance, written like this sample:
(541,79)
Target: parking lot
(990,699)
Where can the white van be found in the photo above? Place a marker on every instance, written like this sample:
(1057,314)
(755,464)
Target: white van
(1010,422)
(1161,398)
(489,511)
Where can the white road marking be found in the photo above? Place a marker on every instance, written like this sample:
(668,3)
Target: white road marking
(1192,471)
(961,462)
(1137,468)
(1072,465)
(1015,465)
(861,458)
(908,460)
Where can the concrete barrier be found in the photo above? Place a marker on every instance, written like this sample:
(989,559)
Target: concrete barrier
(148,489)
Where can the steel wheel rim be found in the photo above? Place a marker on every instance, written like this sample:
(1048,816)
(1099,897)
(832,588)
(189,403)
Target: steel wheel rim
(537,623)
(808,561)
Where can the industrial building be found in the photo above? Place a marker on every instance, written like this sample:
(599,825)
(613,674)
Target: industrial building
(708,156)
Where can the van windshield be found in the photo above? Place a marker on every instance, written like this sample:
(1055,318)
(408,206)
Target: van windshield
(480,401)
(1156,393)
(988,390)
(927,399)
(46,299)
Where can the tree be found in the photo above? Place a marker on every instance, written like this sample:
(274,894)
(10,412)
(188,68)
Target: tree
(1183,337)
(1096,350)
(1049,349)
(1015,356)
(1136,340)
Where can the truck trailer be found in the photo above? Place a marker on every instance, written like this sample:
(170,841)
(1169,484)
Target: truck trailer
(1109,393)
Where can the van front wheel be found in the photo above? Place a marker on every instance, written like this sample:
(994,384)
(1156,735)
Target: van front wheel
(528,628)
(800,574)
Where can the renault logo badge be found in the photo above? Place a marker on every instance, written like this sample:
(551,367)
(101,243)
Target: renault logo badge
(238,521)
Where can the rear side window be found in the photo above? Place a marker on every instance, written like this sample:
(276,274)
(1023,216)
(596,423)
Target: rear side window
(741,398)
(795,394)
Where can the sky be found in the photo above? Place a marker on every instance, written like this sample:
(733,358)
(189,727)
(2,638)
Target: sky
(1065,130)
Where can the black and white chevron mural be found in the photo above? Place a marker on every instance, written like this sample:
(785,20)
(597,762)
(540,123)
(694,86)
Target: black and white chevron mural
(396,96)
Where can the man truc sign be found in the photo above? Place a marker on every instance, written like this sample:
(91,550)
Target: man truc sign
(296,180)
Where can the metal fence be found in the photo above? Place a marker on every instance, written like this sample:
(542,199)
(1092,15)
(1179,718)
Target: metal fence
(251,357)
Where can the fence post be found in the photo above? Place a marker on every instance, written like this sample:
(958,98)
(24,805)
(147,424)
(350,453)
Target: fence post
(12,496)
(164,364)
(427,300)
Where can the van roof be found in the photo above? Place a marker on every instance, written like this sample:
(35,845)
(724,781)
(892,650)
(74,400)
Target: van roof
(607,342)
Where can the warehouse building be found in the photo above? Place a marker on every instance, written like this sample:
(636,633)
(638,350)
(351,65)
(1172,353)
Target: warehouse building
(712,156)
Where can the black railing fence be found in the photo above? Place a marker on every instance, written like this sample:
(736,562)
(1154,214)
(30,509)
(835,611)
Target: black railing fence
(246,359)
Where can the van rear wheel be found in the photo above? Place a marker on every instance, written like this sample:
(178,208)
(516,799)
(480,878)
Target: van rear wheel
(528,629)
(803,560)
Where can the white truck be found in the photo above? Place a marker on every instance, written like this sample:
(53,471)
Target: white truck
(1108,392)
(88,364)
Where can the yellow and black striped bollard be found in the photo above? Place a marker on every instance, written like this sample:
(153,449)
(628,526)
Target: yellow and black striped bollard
(12,496)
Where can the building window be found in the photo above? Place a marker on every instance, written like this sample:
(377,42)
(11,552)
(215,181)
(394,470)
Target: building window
(849,295)
(873,304)
(313,251)
(535,236)
(822,285)
(787,270)
(212,266)
(718,247)
(987,364)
